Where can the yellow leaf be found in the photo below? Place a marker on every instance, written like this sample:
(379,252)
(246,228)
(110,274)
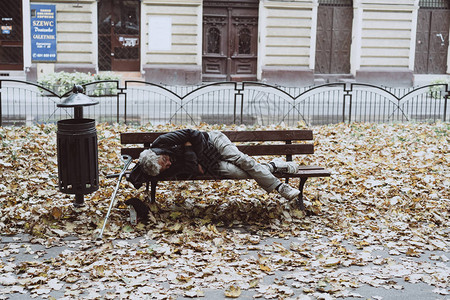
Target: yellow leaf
(140,226)
(183,277)
(253,283)
(412,252)
(233,292)
(175,214)
(331,262)
(265,268)
(98,271)
(56,213)
(176,227)
(127,228)
(213,229)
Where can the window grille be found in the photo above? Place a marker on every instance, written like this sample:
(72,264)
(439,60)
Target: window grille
(336,2)
(10,33)
(436,4)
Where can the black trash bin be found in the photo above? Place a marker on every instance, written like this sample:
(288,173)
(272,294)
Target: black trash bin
(77,157)
(77,148)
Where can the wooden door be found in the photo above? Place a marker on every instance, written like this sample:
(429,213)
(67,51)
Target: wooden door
(11,37)
(118,35)
(432,41)
(334,37)
(230,39)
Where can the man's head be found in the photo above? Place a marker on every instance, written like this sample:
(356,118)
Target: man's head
(152,163)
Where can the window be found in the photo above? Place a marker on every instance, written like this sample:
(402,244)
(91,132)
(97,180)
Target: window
(214,40)
(441,4)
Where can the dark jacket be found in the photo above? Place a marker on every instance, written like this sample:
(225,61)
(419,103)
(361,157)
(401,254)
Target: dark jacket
(201,152)
(185,159)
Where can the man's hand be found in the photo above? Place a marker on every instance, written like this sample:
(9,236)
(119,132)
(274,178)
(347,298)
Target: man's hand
(200,169)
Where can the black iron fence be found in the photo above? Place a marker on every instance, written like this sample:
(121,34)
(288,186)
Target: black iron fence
(228,103)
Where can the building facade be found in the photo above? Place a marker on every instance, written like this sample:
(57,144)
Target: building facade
(288,42)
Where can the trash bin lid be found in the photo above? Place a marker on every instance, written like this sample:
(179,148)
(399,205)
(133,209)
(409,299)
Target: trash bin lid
(77,99)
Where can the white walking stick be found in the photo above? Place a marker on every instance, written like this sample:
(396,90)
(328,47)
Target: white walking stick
(127,160)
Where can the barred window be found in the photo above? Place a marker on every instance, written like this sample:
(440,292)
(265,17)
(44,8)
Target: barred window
(438,4)
(214,40)
(336,2)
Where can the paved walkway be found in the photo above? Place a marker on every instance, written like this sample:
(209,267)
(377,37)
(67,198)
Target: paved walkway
(18,252)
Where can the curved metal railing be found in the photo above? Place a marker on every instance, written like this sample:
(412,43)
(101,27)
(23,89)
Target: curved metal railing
(228,103)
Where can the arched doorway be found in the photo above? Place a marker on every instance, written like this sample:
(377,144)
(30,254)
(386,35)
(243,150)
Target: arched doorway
(230,40)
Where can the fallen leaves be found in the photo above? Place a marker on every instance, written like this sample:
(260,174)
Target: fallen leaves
(388,193)
(233,291)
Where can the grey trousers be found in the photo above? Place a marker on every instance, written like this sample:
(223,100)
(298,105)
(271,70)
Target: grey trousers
(238,165)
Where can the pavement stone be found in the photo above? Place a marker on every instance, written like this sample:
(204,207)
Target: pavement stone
(20,248)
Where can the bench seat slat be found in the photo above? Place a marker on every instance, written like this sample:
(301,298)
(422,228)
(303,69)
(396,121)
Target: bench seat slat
(302,173)
(253,150)
(234,136)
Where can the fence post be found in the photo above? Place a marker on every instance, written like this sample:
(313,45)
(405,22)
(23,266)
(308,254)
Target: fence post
(238,89)
(446,96)
(1,113)
(118,105)
(347,93)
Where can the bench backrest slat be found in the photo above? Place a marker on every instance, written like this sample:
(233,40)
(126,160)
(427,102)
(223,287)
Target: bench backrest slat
(253,150)
(287,142)
(256,150)
(234,136)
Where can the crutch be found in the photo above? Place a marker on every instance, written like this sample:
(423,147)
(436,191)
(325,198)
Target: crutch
(126,160)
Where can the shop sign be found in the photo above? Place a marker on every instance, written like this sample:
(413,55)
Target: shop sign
(128,42)
(6,29)
(43,32)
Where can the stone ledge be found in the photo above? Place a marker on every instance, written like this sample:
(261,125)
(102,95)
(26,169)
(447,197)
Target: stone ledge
(288,76)
(392,77)
(172,75)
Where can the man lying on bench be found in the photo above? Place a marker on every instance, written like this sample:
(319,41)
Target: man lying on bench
(188,153)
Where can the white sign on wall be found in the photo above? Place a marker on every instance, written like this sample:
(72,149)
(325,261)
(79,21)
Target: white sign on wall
(159,33)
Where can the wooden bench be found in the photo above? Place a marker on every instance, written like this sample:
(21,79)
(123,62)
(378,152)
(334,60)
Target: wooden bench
(254,143)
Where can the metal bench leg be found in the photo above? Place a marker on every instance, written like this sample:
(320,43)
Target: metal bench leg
(147,188)
(301,205)
(153,191)
(151,186)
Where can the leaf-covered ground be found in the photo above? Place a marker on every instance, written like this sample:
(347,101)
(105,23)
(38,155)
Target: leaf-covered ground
(389,191)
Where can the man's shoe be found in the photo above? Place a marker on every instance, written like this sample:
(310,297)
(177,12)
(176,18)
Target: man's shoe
(139,212)
(282,166)
(286,191)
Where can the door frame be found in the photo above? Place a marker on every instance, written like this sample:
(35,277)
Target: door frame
(18,44)
(329,36)
(428,35)
(226,66)
(114,40)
